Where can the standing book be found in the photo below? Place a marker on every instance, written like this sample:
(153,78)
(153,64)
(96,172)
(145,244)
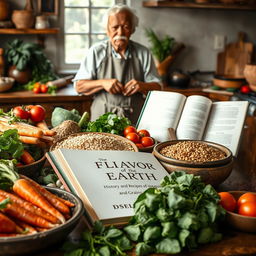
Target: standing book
(194,117)
(108,182)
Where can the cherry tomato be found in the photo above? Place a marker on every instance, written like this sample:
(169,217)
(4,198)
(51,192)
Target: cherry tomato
(21,112)
(246,197)
(36,85)
(139,145)
(129,129)
(227,201)
(36,90)
(147,141)
(144,133)
(247,209)
(44,88)
(133,136)
(245,89)
(37,113)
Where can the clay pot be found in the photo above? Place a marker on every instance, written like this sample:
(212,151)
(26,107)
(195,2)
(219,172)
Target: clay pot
(4,10)
(21,77)
(23,18)
(250,76)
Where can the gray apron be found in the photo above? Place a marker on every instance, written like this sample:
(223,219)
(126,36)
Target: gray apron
(123,70)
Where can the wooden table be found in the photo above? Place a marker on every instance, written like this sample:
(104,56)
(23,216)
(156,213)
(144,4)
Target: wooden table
(65,97)
(243,177)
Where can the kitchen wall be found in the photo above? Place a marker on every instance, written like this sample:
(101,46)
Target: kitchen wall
(196,28)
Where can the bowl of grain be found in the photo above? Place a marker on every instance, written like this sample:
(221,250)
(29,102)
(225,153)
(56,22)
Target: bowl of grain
(95,141)
(212,161)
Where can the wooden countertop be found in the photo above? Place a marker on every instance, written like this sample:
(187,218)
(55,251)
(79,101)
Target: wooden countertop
(65,93)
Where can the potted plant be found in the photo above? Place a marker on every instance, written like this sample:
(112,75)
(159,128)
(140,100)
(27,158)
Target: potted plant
(27,62)
(164,50)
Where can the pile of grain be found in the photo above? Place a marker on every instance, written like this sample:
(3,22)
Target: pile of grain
(192,151)
(66,128)
(94,141)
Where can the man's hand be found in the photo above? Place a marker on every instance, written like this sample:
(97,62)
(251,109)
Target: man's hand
(112,86)
(131,87)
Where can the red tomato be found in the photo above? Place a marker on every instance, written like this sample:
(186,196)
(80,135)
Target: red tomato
(37,113)
(144,133)
(133,136)
(36,90)
(248,209)
(139,145)
(44,88)
(246,197)
(129,129)
(21,112)
(36,85)
(227,201)
(147,141)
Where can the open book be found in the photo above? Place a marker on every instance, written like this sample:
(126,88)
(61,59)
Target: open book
(108,182)
(194,117)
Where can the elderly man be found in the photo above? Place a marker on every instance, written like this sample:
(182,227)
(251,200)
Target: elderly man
(118,71)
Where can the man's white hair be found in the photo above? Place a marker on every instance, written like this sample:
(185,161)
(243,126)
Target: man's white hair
(119,8)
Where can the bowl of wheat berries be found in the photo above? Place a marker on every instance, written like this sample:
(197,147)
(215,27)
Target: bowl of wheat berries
(212,161)
(33,237)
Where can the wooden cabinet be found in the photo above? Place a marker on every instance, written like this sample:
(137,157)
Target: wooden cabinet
(210,5)
(65,98)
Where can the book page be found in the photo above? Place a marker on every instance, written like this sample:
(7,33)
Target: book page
(194,118)
(225,123)
(161,111)
(110,180)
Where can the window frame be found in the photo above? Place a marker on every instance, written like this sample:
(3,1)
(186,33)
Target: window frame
(65,68)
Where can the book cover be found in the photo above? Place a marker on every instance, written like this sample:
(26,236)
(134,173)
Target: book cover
(108,182)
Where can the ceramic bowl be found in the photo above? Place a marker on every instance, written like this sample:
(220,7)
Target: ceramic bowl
(228,82)
(211,172)
(41,240)
(6,83)
(238,221)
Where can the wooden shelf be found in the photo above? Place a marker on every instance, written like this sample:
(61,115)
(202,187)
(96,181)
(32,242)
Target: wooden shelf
(40,33)
(180,4)
(31,31)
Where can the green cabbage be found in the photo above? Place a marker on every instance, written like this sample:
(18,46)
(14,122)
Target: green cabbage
(60,114)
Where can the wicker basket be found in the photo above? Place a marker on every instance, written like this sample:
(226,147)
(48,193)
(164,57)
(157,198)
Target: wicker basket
(23,18)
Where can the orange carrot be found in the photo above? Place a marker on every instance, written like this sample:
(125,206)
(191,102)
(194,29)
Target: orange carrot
(66,202)
(14,210)
(47,138)
(27,158)
(21,130)
(29,140)
(25,189)
(6,224)
(29,206)
(41,229)
(45,128)
(28,229)
(53,199)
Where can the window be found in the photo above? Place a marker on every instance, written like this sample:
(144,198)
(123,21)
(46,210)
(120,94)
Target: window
(83,26)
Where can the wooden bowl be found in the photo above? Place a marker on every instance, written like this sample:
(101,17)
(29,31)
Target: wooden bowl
(212,172)
(238,221)
(6,83)
(228,82)
(32,170)
(83,135)
(36,242)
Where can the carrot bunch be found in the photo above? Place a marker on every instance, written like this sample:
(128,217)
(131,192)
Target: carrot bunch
(29,207)
(38,134)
